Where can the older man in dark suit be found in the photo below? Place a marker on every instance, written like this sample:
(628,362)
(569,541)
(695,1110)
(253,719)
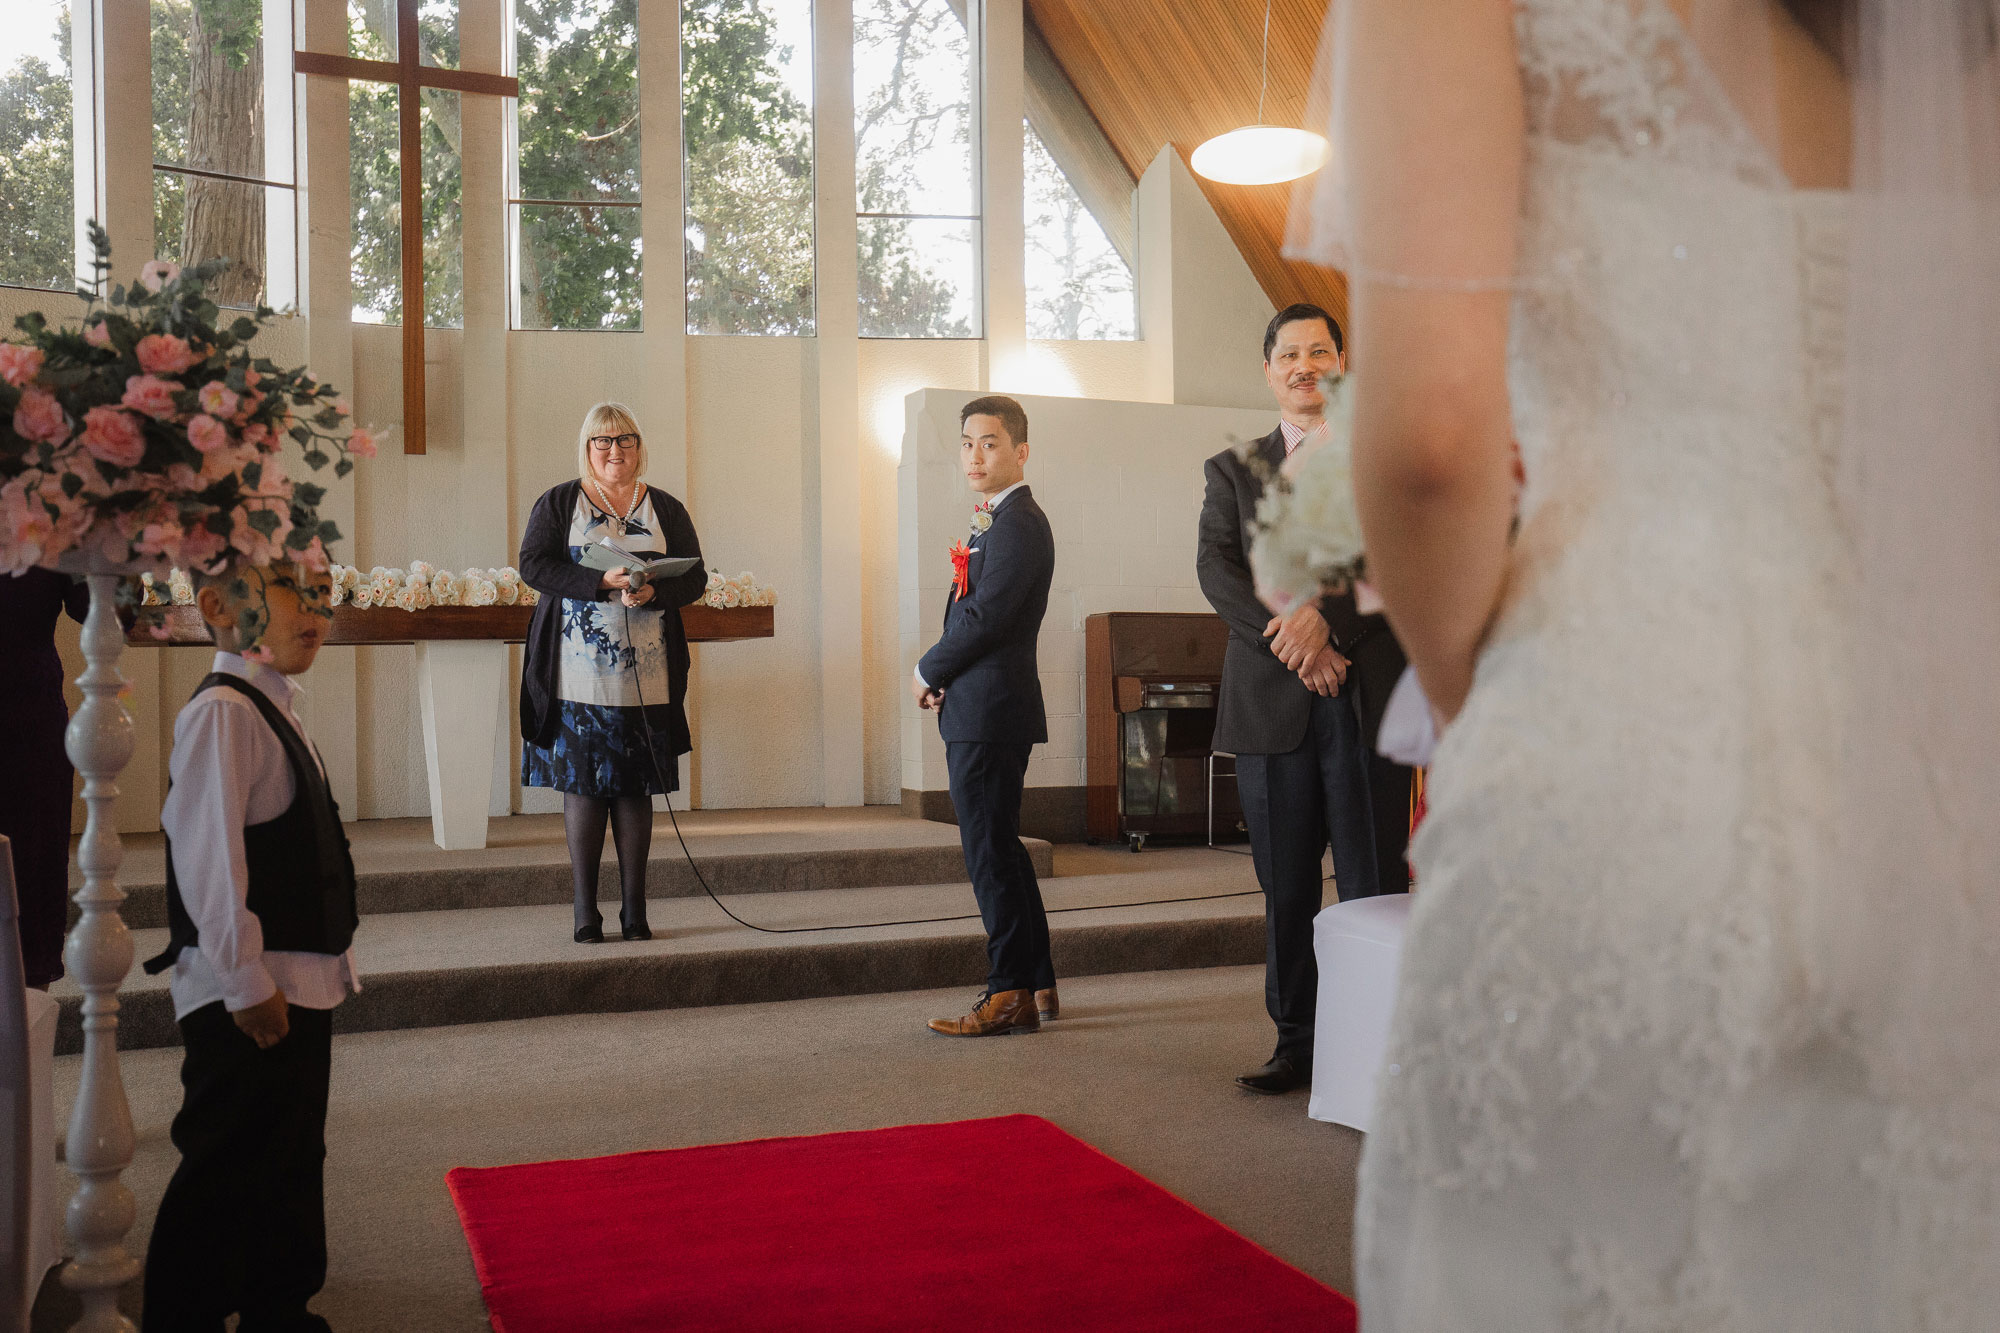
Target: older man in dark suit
(982,678)
(1302,700)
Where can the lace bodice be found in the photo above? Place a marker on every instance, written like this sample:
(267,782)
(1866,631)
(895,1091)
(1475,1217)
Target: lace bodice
(1615,1075)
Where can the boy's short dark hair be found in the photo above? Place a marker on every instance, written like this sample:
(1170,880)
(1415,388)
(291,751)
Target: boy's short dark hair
(1012,415)
(1292,314)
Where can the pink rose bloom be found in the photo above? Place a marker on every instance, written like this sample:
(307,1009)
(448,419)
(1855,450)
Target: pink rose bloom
(150,395)
(314,557)
(251,379)
(258,436)
(222,462)
(164,354)
(207,434)
(181,477)
(200,547)
(19,364)
(27,526)
(362,442)
(340,405)
(217,400)
(113,436)
(161,539)
(40,417)
(157,273)
(272,483)
(98,335)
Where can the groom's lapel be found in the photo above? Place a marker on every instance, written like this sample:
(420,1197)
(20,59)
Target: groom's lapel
(1272,447)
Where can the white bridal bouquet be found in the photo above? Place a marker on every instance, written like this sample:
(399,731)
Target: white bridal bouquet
(1307,534)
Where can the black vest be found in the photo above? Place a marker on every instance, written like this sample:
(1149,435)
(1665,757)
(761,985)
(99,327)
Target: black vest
(301,876)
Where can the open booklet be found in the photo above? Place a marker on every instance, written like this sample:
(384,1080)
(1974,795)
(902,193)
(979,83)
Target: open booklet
(607,555)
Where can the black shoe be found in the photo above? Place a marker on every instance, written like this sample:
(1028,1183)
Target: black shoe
(592,933)
(638,930)
(1281,1074)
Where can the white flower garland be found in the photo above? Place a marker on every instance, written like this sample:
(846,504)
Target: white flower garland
(423,586)
(743,590)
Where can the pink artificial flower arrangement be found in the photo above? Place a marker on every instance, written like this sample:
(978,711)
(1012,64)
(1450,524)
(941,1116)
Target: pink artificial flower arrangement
(152,436)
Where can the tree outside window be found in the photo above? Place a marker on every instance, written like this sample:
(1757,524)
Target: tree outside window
(37,147)
(747,127)
(575,212)
(917,196)
(375,171)
(222,150)
(1078,285)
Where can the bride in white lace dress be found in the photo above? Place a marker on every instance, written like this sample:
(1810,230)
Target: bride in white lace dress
(1654,1064)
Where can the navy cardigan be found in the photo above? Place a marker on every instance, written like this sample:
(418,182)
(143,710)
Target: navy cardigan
(547,568)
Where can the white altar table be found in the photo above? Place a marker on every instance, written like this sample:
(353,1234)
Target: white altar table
(461,685)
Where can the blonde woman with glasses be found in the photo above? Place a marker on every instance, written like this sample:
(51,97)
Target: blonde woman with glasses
(604,677)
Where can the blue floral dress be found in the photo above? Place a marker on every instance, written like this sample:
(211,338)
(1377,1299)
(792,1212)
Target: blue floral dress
(618,732)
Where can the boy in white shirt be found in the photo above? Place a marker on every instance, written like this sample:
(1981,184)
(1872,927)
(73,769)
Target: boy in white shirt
(261,910)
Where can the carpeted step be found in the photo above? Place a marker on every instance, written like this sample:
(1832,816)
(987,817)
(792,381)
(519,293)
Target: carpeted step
(429,969)
(399,869)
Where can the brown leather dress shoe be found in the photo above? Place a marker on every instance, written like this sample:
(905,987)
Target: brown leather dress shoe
(1048,1004)
(996,1014)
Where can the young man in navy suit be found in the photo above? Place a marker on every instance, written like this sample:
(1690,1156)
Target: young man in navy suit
(982,679)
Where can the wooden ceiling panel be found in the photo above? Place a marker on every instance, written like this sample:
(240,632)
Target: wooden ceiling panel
(1157,72)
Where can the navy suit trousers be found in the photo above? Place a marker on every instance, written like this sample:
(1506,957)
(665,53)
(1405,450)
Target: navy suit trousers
(1295,804)
(986,780)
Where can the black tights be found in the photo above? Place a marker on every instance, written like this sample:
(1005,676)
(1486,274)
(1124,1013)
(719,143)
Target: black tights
(632,831)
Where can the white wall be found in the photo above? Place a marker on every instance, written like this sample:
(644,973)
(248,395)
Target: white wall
(1122,486)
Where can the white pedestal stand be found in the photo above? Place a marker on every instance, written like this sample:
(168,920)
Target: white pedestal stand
(461,685)
(98,955)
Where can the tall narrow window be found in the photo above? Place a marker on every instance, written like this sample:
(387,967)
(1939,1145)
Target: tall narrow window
(375,184)
(37,147)
(747,154)
(575,213)
(222,144)
(1079,286)
(916,185)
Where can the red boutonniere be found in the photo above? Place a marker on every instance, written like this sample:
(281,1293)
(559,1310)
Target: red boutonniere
(961,564)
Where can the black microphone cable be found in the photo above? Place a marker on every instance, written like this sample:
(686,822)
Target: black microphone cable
(653,755)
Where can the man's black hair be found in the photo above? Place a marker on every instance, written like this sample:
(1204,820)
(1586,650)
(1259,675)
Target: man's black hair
(1013,417)
(1292,314)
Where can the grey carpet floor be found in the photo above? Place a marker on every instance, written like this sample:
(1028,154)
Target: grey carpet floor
(1140,1066)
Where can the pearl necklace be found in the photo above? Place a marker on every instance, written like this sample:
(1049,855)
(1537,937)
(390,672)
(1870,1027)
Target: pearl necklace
(638,494)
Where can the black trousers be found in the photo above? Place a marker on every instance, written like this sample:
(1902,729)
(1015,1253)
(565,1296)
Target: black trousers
(242,1226)
(986,779)
(1296,804)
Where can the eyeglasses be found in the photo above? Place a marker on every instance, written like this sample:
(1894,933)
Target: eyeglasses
(604,444)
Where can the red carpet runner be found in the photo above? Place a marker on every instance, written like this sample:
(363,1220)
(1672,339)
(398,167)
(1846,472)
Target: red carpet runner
(1006,1225)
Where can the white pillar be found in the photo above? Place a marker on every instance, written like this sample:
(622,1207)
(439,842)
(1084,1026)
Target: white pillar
(325,222)
(660,396)
(999,40)
(838,322)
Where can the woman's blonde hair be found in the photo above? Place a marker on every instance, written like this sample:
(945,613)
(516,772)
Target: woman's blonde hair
(606,419)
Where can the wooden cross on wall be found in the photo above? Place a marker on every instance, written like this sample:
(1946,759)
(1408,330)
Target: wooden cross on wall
(411,76)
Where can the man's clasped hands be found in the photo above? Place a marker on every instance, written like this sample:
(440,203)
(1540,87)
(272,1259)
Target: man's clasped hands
(1303,643)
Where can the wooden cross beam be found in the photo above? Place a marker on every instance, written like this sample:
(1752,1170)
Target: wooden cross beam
(411,77)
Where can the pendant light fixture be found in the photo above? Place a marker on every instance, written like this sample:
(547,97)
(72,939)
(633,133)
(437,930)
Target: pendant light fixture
(1261,154)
